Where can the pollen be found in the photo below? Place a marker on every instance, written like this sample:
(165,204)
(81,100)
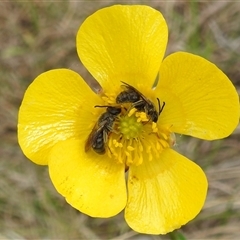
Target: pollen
(137,139)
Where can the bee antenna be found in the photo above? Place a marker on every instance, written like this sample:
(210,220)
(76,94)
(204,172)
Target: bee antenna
(101,106)
(160,109)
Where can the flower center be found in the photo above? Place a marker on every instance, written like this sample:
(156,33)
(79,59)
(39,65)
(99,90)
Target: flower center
(129,126)
(135,138)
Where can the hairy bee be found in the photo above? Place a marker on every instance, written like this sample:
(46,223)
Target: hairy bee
(139,101)
(99,134)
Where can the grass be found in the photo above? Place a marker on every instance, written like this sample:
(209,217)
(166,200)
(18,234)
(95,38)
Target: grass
(37,36)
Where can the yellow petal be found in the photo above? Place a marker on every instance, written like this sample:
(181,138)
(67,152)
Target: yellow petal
(200,100)
(164,194)
(91,183)
(57,106)
(123,43)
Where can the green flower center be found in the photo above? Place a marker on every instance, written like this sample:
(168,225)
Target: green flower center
(129,127)
(136,139)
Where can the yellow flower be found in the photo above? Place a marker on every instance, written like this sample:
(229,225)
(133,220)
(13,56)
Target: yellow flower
(165,190)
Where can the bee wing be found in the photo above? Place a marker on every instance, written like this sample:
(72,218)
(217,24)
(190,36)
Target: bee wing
(93,135)
(134,89)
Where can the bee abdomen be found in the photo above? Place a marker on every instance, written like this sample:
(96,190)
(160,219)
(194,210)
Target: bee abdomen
(99,145)
(128,97)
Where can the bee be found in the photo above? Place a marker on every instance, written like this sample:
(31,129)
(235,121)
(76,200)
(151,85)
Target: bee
(139,101)
(99,134)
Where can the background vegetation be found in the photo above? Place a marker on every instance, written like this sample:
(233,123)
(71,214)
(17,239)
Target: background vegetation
(36,36)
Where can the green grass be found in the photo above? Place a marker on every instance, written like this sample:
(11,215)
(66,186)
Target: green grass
(37,36)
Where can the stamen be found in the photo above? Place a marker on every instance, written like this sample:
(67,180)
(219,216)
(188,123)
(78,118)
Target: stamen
(109,98)
(141,117)
(138,139)
(131,112)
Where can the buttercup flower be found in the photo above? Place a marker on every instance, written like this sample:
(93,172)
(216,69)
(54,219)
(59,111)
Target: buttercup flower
(90,140)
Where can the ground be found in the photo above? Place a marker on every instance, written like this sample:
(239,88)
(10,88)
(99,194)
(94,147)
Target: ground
(37,36)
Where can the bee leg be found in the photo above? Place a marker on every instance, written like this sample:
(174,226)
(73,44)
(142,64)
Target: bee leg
(105,136)
(105,139)
(111,129)
(138,103)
